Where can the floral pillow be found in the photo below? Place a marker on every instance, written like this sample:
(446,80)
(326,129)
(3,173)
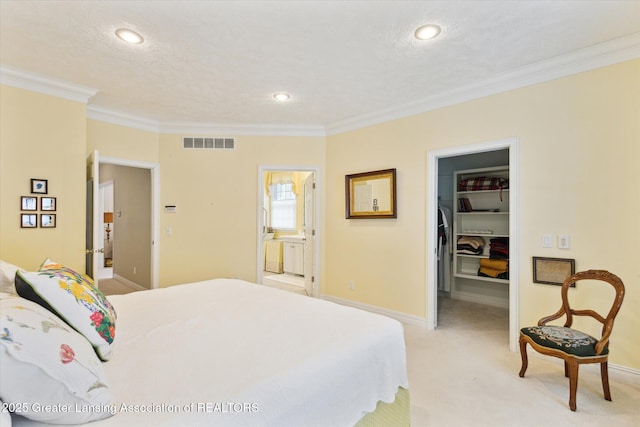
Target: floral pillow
(50,373)
(73,298)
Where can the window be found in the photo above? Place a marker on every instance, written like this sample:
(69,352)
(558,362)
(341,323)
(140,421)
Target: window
(283,206)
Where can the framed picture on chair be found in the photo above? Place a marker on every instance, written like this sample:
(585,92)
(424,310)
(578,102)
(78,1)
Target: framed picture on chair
(553,271)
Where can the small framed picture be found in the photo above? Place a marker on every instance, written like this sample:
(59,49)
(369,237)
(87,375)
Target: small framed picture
(39,186)
(47,220)
(553,271)
(28,203)
(47,203)
(28,220)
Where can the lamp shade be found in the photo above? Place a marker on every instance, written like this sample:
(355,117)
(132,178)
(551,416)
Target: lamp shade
(108,217)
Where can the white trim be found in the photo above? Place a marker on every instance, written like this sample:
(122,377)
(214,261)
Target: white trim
(601,55)
(514,217)
(317,225)
(118,118)
(594,368)
(624,369)
(128,283)
(241,129)
(405,318)
(409,319)
(154,169)
(37,83)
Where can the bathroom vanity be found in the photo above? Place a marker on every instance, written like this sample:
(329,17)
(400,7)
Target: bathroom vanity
(293,248)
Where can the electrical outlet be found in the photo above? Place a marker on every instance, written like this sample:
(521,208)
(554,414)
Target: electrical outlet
(352,286)
(135,270)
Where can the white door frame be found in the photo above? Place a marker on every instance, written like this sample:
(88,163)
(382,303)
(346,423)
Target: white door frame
(512,144)
(101,210)
(317,220)
(154,169)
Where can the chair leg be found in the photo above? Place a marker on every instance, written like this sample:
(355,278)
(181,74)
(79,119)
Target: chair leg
(566,369)
(604,373)
(523,356)
(572,365)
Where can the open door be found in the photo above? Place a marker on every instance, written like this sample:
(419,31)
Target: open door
(309,233)
(93,241)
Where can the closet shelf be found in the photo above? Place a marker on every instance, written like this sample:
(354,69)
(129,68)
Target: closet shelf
(482,191)
(489,220)
(476,233)
(487,212)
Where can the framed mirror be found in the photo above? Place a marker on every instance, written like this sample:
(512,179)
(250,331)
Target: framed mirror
(371,194)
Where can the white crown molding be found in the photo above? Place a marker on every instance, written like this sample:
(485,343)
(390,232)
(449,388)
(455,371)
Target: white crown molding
(597,56)
(122,119)
(240,129)
(190,128)
(600,55)
(21,79)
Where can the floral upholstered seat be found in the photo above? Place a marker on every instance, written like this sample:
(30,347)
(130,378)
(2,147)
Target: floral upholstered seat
(564,339)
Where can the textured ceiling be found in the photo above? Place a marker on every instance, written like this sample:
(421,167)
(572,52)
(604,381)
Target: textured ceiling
(219,62)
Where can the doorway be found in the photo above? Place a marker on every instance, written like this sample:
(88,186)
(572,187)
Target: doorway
(433,183)
(287,224)
(95,216)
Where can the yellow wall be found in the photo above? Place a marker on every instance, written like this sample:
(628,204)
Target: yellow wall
(214,232)
(122,142)
(579,150)
(42,136)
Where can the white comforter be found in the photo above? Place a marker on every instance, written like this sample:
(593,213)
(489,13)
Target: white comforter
(228,352)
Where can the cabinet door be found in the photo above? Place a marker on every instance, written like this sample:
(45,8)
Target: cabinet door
(294,258)
(289,257)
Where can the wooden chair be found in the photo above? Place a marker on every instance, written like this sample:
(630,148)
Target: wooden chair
(571,345)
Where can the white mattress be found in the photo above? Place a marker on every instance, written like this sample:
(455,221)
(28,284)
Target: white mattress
(229,352)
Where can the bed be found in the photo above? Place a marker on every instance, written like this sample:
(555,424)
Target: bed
(233,353)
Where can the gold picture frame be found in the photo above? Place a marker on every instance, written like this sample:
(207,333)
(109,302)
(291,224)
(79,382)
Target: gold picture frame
(553,271)
(371,195)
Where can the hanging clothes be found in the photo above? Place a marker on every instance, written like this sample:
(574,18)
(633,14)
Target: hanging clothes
(445,249)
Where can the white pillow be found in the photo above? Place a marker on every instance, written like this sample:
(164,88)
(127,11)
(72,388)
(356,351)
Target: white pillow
(50,373)
(72,297)
(7,276)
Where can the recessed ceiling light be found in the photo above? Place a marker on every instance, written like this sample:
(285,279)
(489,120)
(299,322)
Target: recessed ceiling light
(427,32)
(129,36)
(281,96)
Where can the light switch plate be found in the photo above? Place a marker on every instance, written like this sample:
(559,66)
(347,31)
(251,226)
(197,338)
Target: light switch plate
(547,241)
(564,241)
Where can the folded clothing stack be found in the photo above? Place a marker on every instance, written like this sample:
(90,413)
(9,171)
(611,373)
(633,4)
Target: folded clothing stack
(470,245)
(496,268)
(499,248)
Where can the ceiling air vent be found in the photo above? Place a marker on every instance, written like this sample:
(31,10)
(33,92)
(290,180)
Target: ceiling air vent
(198,143)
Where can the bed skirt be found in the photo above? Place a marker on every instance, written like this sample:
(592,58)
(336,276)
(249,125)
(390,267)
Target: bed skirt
(389,414)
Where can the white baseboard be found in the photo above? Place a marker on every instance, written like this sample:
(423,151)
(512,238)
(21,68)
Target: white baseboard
(409,319)
(129,283)
(594,368)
